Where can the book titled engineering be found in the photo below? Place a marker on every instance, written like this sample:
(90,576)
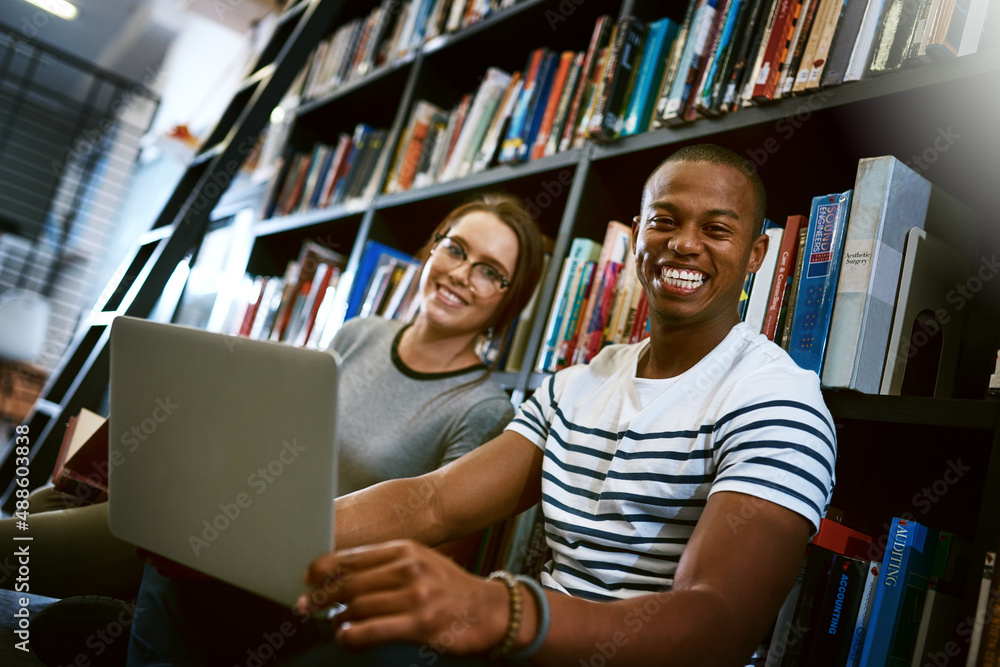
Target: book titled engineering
(817,285)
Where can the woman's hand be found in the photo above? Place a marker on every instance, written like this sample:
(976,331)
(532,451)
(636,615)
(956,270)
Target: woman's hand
(405,592)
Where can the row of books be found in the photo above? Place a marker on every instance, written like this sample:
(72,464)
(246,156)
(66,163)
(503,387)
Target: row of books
(327,175)
(510,118)
(298,307)
(727,54)
(598,301)
(390,32)
(857,604)
(292,308)
(847,289)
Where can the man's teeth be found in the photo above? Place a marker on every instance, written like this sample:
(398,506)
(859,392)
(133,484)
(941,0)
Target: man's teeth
(681,277)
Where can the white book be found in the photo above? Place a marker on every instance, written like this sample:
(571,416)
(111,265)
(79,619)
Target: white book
(761,292)
(490,91)
(974,22)
(863,44)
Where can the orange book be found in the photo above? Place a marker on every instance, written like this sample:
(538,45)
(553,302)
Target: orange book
(542,138)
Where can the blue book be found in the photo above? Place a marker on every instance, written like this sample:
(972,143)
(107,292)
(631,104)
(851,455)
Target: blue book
(818,282)
(375,254)
(519,116)
(659,39)
(902,585)
(732,14)
(536,109)
(581,251)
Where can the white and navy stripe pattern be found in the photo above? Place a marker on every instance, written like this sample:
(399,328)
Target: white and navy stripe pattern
(629,463)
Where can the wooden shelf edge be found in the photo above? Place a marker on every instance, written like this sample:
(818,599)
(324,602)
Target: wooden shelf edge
(914,410)
(443,42)
(494,176)
(295,221)
(354,86)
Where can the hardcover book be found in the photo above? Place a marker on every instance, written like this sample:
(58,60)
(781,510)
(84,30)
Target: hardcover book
(818,281)
(654,58)
(787,254)
(900,594)
(889,200)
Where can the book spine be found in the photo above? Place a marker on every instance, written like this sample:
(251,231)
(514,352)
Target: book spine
(764,282)
(554,98)
(854,287)
(889,593)
(709,52)
(567,345)
(536,109)
(660,37)
(519,117)
(831,636)
(573,83)
(864,614)
(786,319)
(783,274)
(777,43)
(633,36)
(674,59)
(818,283)
(597,39)
(720,57)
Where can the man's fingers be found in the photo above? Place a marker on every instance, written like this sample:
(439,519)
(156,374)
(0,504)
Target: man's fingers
(381,603)
(379,630)
(335,565)
(350,583)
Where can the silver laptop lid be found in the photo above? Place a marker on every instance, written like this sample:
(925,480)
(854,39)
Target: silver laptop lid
(221,453)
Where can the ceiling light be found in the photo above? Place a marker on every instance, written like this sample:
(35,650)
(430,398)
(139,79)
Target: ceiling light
(60,8)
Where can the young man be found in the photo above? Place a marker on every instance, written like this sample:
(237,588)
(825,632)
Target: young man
(680,478)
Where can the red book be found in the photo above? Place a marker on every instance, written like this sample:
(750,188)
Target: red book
(253,305)
(463,110)
(776,50)
(843,540)
(783,273)
(639,330)
(593,317)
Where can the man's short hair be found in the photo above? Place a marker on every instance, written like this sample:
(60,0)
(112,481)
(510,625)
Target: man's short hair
(719,155)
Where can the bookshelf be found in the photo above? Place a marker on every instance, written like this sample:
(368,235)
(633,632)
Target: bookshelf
(891,448)
(803,146)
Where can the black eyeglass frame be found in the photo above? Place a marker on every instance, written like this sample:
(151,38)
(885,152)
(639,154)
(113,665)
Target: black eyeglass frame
(438,237)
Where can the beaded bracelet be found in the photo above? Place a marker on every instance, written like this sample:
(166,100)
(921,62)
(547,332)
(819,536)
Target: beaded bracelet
(514,623)
(544,617)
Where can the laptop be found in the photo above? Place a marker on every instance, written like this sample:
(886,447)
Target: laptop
(221,453)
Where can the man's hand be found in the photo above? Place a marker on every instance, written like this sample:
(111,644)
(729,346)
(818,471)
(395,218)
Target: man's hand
(403,591)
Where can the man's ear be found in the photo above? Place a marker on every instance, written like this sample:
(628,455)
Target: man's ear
(635,231)
(757,251)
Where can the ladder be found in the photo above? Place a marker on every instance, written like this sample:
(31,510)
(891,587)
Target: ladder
(83,373)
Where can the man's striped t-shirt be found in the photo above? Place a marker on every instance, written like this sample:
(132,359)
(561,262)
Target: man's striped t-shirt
(630,462)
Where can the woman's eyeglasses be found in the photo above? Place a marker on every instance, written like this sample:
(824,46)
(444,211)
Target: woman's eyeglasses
(485,280)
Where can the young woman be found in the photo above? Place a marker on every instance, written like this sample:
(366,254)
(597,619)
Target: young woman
(412,397)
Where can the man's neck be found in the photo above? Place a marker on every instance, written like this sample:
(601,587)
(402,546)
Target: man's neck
(675,349)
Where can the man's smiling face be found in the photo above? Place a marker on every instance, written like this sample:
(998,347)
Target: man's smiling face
(695,242)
